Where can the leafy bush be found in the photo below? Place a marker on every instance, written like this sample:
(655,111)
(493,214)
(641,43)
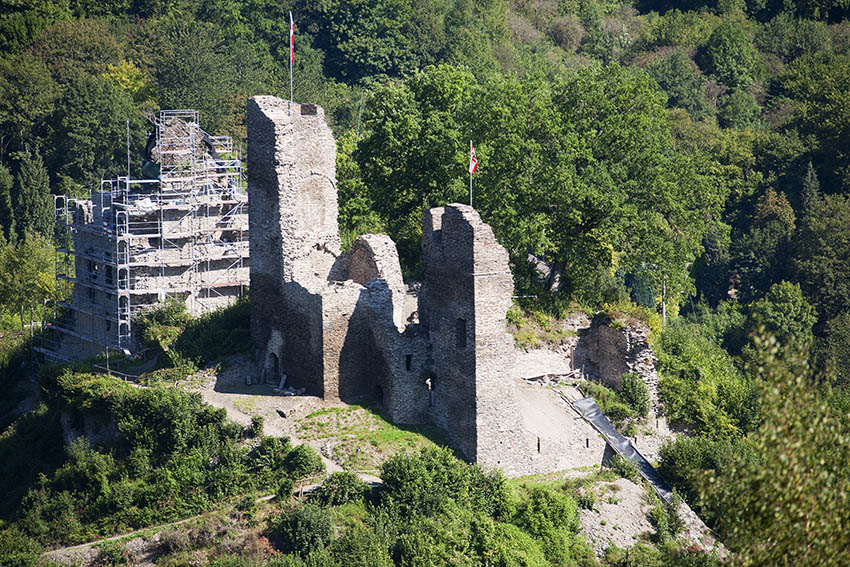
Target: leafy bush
(688,462)
(424,483)
(701,385)
(552,518)
(18,550)
(608,400)
(635,393)
(161,325)
(154,464)
(665,517)
(303,461)
(341,488)
(359,547)
(256,429)
(302,529)
(623,467)
(218,334)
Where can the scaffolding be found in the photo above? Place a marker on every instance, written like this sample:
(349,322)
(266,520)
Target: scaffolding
(136,242)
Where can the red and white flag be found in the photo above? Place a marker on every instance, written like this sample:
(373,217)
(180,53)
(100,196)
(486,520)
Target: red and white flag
(473,159)
(291,39)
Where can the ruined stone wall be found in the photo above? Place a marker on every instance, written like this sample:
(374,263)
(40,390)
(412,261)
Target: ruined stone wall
(373,257)
(467,291)
(293,237)
(446,310)
(608,349)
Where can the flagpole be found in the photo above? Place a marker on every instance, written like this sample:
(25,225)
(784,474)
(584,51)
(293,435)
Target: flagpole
(291,59)
(470,174)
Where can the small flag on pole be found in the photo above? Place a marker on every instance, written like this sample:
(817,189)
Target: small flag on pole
(473,165)
(291,57)
(291,39)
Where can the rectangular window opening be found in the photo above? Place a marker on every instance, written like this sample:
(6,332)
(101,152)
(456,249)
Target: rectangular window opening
(460,334)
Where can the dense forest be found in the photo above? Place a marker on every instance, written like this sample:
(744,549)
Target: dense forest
(692,157)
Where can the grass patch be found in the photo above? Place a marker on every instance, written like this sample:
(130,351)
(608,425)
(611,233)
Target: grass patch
(533,328)
(360,439)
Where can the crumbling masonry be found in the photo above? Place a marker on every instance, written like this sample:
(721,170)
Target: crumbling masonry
(334,323)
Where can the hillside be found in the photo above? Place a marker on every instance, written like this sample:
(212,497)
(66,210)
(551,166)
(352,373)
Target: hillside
(682,167)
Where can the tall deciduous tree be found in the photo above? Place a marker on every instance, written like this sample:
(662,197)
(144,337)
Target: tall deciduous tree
(28,270)
(582,172)
(820,86)
(91,132)
(787,503)
(729,55)
(27,98)
(784,313)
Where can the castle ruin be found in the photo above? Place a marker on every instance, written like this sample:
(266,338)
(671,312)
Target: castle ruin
(336,324)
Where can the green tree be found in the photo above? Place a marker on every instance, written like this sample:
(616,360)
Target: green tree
(789,38)
(761,256)
(711,269)
(73,49)
(91,133)
(33,203)
(819,85)
(7,215)
(29,275)
(27,99)
(838,347)
(787,505)
(21,21)
(785,313)
(821,260)
(302,529)
(195,66)
(739,109)
(811,189)
(729,56)
(681,79)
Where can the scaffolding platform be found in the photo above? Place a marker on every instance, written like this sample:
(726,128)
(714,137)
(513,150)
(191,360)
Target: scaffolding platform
(135,242)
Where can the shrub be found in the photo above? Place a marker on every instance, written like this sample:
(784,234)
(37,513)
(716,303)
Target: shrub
(247,505)
(161,325)
(552,518)
(18,550)
(303,461)
(302,529)
(586,499)
(112,554)
(701,385)
(359,547)
(341,488)
(665,518)
(624,467)
(635,393)
(284,489)
(422,484)
(256,429)
(608,401)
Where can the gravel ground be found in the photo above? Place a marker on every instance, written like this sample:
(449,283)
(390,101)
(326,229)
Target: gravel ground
(619,516)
